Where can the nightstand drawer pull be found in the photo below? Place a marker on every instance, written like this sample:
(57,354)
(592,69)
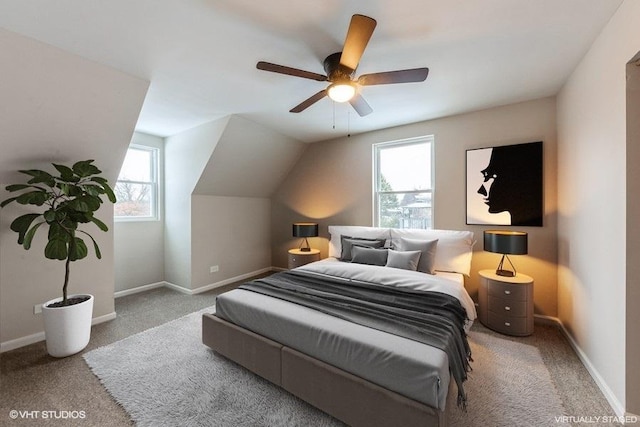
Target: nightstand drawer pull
(511,291)
(509,324)
(507,308)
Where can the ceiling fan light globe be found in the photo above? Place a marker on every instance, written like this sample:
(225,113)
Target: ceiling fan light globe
(341,92)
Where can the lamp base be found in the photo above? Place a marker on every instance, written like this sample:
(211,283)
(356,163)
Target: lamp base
(505,273)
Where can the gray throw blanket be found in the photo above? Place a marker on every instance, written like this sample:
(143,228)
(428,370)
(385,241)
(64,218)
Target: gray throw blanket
(432,318)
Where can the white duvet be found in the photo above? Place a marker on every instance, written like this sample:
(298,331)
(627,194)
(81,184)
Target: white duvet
(394,277)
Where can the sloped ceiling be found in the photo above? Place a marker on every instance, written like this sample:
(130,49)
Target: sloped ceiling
(58,107)
(249,160)
(200,55)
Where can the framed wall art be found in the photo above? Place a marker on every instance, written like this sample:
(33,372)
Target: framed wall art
(504,185)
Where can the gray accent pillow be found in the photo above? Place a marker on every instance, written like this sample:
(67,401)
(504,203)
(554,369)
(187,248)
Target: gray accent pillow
(347,242)
(406,260)
(366,255)
(426,247)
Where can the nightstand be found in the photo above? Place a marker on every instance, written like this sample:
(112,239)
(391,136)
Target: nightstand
(298,257)
(506,303)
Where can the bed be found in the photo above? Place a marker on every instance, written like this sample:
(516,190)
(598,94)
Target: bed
(363,368)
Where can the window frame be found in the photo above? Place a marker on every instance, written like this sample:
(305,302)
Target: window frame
(377,148)
(154,183)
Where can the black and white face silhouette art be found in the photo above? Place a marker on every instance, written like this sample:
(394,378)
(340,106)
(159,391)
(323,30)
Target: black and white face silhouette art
(504,185)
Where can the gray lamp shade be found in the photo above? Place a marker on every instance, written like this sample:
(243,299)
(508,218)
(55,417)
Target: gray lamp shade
(505,242)
(305,229)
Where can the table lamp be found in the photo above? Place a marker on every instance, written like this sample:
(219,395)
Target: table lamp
(305,230)
(505,243)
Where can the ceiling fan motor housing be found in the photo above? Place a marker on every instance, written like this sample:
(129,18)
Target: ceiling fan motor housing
(336,72)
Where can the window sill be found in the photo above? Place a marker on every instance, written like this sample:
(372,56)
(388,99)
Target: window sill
(136,219)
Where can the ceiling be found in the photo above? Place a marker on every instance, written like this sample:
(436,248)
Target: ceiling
(200,55)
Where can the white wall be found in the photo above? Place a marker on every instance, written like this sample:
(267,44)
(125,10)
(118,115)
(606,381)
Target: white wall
(219,177)
(230,207)
(57,107)
(592,197)
(332,184)
(233,233)
(139,244)
(250,160)
(633,237)
(186,155)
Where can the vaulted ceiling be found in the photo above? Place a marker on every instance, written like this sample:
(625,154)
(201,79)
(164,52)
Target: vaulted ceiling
(200,55)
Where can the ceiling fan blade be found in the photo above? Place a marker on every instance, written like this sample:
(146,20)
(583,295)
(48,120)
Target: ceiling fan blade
(309,102)
(281,69)
(399,76)
(360,31)
(360,105)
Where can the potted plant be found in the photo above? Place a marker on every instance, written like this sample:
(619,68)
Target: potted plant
(65,202)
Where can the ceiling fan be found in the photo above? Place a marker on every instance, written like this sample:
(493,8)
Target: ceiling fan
(340,67)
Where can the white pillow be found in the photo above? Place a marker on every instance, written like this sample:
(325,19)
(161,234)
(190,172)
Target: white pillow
(335,245)
(455,248)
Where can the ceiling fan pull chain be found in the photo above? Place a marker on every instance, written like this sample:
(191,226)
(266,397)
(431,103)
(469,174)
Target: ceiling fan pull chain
(334,114)
(348,124)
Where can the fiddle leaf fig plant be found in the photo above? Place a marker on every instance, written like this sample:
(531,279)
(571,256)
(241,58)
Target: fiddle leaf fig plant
(66,201)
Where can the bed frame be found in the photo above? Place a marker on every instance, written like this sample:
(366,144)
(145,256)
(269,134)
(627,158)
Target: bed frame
(349,398)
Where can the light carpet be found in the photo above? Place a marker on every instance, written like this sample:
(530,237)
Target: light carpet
(166,376)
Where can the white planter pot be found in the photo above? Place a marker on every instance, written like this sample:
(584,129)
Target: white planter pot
(67,329)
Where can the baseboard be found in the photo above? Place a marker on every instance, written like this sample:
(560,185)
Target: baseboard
(139,289)
(219,284)
(547,320)
(230,280)
(21,342)
(178,288)
(616,405)
(104,318)
(199,290)
(37,337)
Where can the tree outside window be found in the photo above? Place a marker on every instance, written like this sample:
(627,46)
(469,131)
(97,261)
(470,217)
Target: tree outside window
(402,188)
(137,188)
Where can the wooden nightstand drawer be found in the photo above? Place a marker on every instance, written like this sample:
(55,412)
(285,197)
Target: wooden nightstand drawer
(507,307)
(508,290)
(505,304)
(508,325)
(299,258)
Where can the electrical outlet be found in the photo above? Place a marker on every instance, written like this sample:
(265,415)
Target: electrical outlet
(37,309)
(214,269)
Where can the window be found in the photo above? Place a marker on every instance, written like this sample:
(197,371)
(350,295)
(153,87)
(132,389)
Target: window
(403,186)
(137,186)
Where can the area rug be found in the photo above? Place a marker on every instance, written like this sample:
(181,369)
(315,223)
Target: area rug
(166,376)
(509,386)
